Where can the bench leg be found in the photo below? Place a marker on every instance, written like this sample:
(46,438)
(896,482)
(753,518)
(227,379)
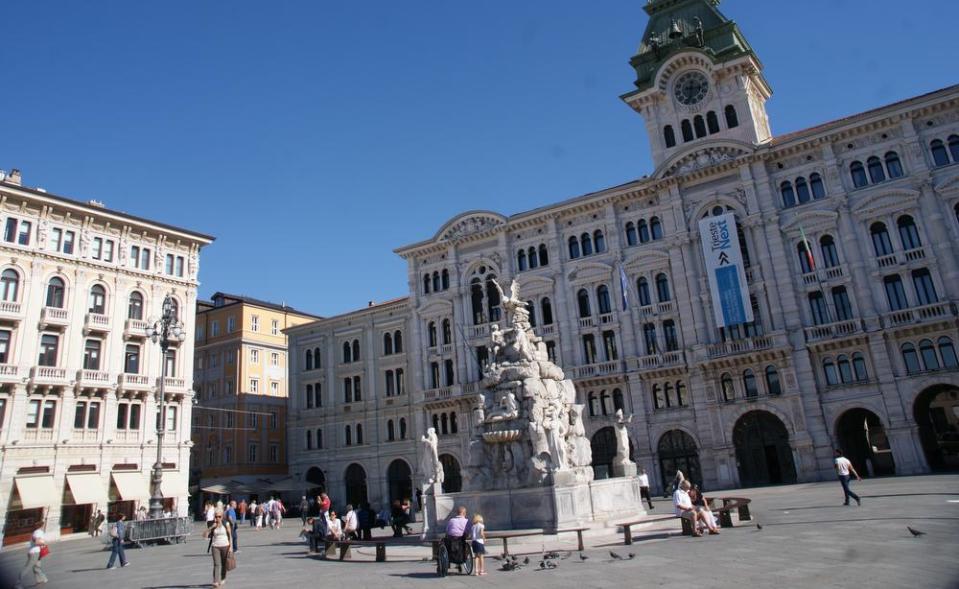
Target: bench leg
(725,519)
(506,546)
(345,552)
(579,540)
(744,515)
(688,526)
(380,552)
(628,533)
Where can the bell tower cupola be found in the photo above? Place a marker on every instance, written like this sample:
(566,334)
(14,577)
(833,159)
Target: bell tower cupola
(697,80)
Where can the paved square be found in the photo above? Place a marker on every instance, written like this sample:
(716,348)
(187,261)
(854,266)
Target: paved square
(808,539)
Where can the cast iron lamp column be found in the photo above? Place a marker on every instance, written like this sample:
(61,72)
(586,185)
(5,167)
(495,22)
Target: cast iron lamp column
(164,331)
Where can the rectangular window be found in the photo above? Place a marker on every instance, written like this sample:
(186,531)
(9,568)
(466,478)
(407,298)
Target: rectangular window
(171,419)
(589,349)
(33,414)
(255,323)
(131,359)
(48,350)
(169,264)
(254,385)
(4,346)
(274,387)
(229,420)
(56,238)
(895,293)
(817,306)
(274,453)
(551,350)
(649,338)
(179,266)
(275,327)
(230,324)
(145,259)
(925,288)
(669,335)
(135,415)
(91,355)
(482,358)
(122,415)
(93,416)
(251,453)
(10,230)
(68,238)
(80,417)
(97,249)
(87,415)
(23,237)
(229,387)
(840,299)
(228,455)
(49,414)
(255,356)
(273,421)
(274,359)
(609,346)
(108,250)
(3,411)
(214,329)
(135,256)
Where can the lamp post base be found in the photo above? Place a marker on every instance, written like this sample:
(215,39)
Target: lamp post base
(156,494)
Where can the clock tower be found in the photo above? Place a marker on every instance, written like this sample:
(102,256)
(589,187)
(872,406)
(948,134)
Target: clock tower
(698,83)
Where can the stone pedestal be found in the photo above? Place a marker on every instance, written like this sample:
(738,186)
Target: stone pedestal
(624,469)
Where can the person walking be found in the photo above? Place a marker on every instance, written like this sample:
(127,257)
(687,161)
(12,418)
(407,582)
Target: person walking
(117,533)
(253,512)
(241,509)
(230,516)
(644,488)
(222,540)
(304,509)
(843,468)
(97,524)
(37,543)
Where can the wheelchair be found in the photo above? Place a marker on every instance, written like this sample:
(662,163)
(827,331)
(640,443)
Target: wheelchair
(455,551)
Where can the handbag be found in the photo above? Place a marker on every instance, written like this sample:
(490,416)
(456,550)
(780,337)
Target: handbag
(44,551)
(230,561)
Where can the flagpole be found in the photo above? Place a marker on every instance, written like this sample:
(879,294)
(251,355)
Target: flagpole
(815,271)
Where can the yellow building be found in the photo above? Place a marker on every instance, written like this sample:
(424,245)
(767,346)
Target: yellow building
(240,379)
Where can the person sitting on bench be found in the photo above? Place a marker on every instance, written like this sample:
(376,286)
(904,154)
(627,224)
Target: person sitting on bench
(701,504)
(686,510)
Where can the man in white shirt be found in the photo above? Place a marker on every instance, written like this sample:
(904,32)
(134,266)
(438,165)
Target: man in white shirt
(644,487)
(349,523)
(843,468)
(685,509)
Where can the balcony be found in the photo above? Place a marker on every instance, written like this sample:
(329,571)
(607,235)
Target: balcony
(10,310)
(132,435)
(172,384)
(9,373)
(666,307)
(475,331)
(824,274)
(135,328)
(438,394)
(888,260)
(48,375)
(134,382)
(84,435)
(915,254)
(833,330)
(659,361)
(585,321)
(601,369)
(546,329)
(32,434)
(742,346)
(54,316)
(96,322)
(606,319)
(933,312)
(446,349)
(94,379)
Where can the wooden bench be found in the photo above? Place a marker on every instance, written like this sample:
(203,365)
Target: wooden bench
(627,526)
(741,504)
(330,547)
(505,535)
(579,536)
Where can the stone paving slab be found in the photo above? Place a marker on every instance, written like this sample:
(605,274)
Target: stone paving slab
(808,539)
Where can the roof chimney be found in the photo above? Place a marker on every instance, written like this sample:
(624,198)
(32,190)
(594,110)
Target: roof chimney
(14,177)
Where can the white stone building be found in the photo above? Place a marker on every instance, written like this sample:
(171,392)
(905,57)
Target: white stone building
(853,338)
(79,285)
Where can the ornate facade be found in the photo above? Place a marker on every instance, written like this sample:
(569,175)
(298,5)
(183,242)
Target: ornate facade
(79,286)
(849,233)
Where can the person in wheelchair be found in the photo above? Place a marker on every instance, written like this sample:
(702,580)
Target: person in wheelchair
(457,536)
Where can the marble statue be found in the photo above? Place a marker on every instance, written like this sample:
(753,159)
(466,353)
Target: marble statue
(508,409)
(430,466)
(622,436)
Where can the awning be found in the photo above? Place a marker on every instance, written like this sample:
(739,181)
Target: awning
(288,484)
(173,484)
(131,485)
(87,488)
(216,490)
(36,491)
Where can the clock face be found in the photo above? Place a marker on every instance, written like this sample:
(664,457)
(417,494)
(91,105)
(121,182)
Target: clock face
(691,88)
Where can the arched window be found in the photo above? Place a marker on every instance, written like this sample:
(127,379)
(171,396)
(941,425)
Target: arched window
(431,333)
(700,126)
(630,233)
(573,248)
(876,171)
(858,173)
(348,435)
(492,298)
(618,401)
(436,422)
(347,353)
(669,335)
(397,342)
(402,428)
(546,311)
(390,430)
(749,384)
(818,189)
(426,284)
(668,393)
(687,130)
(930,360)
(356,350)
(56,290)
(925,287)
(681,394)
(387,343)
(840,300)
(669,136)
(655,228)
(881,243)
(521,260)
(309,396)
(531,309)
(319,439)
(359,434)
(543,255)
(940,156)
(591,401)
(436,284)
(829,372)
(533,259)
(318,395)
(400,382)
(910,358)
(390,383)
(445,279)
(732,119)
(954,147)
(712,122)
(659,400)
(454,427)
(347,390)
(830,257)
(845,368)
(135,306)
(447,332)
(642,290)
(789,197)
(604,402)
(444,423)
(908,233)
(893,165)
(599,241)
(582,299)
(802,190)
(309,439)
(309,359)
(586,242)
(602,298)
(726,384)
(98,300)
(643,231)
(773,387)
(805,263)
(859,367)
(357,389)
(948,353)
(662,288)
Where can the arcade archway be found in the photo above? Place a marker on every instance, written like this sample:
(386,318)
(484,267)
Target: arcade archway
(355,482)
(677,451)
(316,482)
(400,480)
(452,477)
(936,411)
(862,437)
(603,445)
(763,454)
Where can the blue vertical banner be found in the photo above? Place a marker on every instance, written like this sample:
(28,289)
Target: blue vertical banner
(725,270)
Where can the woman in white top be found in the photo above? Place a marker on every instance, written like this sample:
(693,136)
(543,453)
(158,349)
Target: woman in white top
(221,547)
(334,530)
(37,540)
(478,535)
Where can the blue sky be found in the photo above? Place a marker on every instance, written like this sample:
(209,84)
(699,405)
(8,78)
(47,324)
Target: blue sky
(312,138)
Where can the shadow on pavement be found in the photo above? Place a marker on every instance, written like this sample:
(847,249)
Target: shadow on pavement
(432,575)
(858,519)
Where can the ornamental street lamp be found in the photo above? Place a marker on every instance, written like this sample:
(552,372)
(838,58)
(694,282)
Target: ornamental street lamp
(164,331)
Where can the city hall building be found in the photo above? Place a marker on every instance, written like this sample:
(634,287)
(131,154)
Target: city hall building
(836,326)
(80,284)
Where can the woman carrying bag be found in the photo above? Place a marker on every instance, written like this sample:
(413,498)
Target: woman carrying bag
(221,537)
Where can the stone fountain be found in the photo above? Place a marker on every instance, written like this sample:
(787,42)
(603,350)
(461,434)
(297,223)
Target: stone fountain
(530,462)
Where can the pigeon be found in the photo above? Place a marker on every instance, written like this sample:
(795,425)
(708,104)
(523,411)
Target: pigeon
(615,556)
(759,526)
(631,556)
(915,533)
(582,556)
(526,560)
(551,565)
(542,564)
